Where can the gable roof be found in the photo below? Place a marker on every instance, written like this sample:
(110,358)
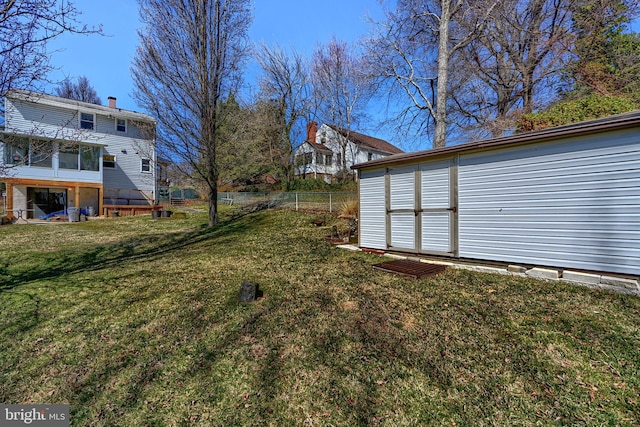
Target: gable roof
(56,101)
(318,146)
(368,141)
(616,122)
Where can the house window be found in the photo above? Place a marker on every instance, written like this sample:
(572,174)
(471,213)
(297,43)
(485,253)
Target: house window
(108,161)
(328,159)
(20,151)
(87,121)
(121,125)
(41,153)
(79,157)
(146,165)
(89,158)
(339,160)
(69,157)
(369,156)
(16,151)
(304,159)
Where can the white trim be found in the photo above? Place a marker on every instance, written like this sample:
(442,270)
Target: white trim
(93,122)
(126,125)
(150,166)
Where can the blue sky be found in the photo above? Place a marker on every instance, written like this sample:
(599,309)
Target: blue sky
(302,24)
(106,61)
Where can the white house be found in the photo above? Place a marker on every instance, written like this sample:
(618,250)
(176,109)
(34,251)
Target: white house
(321,155)
(58,153)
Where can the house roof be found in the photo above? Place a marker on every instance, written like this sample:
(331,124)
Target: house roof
(318,146)
(617,122)
(56,101)
(368,141)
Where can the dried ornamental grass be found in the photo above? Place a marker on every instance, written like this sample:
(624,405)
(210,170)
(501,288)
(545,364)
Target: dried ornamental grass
(349,209)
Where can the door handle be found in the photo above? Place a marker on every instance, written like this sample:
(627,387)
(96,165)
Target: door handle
(453,209)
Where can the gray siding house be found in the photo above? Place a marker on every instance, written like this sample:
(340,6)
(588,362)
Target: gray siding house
(567,197)
(59,153)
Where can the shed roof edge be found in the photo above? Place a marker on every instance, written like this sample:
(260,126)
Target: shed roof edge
(617,122)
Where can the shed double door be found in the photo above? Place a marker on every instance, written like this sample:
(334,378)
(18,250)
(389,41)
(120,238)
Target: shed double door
(422,211)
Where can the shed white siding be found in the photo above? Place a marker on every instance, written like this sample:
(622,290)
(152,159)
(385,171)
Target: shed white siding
(373,215)
(435,195)
(435,184)
(402,205)
(436,232)
(573,203)
(403,230)
(402,188)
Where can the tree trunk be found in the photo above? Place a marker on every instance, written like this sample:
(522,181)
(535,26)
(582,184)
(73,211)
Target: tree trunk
(210,138)
(527,89)
(213,205)
(440,118)
(182,70)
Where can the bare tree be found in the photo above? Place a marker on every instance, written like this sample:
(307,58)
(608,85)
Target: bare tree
(515,63)
(410,56)
(188,60)
(340,88)
(285,96)
(25,28)
(81,90)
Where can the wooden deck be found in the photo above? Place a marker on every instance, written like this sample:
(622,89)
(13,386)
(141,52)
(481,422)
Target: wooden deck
(128,210)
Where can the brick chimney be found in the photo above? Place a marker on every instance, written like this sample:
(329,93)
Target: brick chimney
(312,129)
(112,102)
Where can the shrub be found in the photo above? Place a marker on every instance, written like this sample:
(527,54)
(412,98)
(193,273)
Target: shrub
(311,184)
(587,108)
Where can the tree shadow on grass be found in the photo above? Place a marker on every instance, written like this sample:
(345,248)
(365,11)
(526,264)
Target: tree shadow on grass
(52,266)
(352,362)
(361,349)
(255,338)
(262,344)
(352,365)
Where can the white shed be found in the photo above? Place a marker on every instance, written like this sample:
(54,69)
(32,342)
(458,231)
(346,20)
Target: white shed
(567,197)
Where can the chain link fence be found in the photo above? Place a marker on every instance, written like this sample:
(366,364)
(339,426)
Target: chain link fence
(299,201)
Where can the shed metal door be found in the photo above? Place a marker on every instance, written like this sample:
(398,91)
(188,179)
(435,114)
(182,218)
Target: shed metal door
(373,214)
(422,208)
(402,208)
(438,208)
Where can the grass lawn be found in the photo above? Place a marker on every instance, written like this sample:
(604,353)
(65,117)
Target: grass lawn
(136,322)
